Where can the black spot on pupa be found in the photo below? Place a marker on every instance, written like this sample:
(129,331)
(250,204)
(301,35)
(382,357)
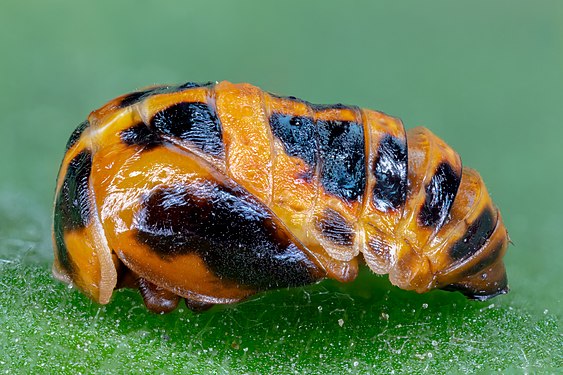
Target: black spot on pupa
(140,135)
(440,194)
(477,234)
(236,235)
(390,170)
(315,107)
(138,96)
(75,136)
(73,207)
(479,294)
(493,252)
(133,98)
(195,123)
(298,136)
(335,228)
(342,157)
(322,107)
(62,251)
(191,85)
(73,203)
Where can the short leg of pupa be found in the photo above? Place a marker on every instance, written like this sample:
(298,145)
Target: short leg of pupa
(197,306)
(157,299)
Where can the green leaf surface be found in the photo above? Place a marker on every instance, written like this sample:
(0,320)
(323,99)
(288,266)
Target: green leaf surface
(486,77)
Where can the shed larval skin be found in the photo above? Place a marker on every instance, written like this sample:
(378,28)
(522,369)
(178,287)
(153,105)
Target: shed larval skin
(213,192)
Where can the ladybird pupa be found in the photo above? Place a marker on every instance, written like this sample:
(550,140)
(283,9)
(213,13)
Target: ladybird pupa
(213,192)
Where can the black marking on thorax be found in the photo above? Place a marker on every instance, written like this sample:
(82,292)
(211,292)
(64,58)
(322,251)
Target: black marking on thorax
(134,98)
(476,236)
(440,194)
(236,235)
(195,123)
(342,155)
(390,171)
(73,207)
(76,134)
(138,96)
(298,136)
(334,227)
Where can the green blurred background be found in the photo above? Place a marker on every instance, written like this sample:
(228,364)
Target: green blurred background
(485,76)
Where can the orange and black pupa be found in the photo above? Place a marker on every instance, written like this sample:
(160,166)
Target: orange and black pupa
(214,192)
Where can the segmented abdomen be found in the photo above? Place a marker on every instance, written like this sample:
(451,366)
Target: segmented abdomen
(341,179)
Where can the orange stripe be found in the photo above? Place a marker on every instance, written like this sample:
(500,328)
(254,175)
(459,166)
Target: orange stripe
(247,137)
